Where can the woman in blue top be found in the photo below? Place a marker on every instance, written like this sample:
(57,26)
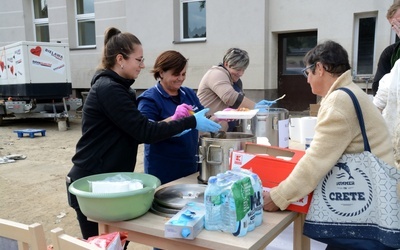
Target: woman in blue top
(175,157)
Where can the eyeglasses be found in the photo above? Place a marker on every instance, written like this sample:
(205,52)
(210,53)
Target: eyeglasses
(305,72)
(140,60)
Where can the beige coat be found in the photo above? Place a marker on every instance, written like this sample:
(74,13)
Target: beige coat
(337,132)
(216,91)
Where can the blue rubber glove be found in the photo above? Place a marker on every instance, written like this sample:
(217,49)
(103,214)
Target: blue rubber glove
(264,103)
(204,124)
(182,133)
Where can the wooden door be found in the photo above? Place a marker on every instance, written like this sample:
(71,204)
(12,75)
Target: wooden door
(292,48)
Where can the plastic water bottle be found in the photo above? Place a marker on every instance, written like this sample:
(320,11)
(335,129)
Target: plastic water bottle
(228,208)
(212,202)
(258,200)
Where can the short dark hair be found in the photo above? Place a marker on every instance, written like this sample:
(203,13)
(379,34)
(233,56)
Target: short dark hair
(168,60)
(332,55)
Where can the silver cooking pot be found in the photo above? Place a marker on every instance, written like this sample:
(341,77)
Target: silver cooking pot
(266,124)
(214,153)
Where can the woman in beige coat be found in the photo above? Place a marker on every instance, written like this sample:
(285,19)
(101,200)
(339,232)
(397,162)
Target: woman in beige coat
(337,131)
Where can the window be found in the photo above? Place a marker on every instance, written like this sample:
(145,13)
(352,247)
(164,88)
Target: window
(192,20)
(294,48)
(41,21)
(85,25)
(364,44)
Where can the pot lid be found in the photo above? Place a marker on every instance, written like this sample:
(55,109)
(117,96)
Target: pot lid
(176,196)
(163,211)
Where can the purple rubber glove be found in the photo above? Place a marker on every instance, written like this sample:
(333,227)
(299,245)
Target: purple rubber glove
(182,111)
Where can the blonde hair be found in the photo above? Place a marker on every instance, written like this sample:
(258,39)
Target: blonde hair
(392,9)
(236,58)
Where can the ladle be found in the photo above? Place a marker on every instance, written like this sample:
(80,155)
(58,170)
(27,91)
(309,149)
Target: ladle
(220,134)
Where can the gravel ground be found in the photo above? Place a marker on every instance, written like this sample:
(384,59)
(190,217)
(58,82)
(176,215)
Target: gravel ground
(33,189)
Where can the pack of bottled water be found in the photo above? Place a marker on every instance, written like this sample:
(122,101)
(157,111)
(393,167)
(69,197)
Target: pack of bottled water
(233,202)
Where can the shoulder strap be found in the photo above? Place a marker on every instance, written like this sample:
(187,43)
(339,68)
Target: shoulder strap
(360,117)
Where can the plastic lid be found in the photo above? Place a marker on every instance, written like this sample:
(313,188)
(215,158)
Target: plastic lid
(212,180)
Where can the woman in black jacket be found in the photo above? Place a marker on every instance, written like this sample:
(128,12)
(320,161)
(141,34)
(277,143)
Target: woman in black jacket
(112,125)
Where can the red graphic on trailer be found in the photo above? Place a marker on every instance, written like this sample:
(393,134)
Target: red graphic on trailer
(36,51)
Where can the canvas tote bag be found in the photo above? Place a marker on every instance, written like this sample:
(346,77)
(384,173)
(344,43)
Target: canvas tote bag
(355,206)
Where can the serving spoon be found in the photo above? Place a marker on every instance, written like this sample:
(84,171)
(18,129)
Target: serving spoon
(279,98)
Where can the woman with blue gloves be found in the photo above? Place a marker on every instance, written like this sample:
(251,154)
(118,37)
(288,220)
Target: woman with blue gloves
(221,87)
(175,157)
(112,125)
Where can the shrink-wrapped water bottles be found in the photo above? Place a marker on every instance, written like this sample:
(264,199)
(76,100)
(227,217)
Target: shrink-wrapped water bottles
(233,202)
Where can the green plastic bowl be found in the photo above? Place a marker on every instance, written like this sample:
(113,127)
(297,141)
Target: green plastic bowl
(115,206)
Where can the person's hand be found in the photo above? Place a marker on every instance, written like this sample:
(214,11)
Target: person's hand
(182,133)
(269,205)
(205,125)
(182,111)
(264,103)
(395,26)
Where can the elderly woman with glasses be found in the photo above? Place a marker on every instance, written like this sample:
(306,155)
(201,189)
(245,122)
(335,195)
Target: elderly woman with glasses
(337,131)
(221,87)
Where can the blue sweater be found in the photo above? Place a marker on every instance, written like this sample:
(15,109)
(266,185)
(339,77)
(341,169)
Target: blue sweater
(174,157)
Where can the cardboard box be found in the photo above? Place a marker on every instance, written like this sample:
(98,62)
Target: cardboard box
(272,165)
(314,109)
(187,223)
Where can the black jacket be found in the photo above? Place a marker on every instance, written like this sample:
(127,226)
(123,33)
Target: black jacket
(113,127)
(384,65)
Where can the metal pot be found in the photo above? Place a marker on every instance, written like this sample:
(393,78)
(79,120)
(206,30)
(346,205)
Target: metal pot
(266,124)
(214,153)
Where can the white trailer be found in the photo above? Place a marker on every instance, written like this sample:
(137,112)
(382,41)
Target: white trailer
(35,81)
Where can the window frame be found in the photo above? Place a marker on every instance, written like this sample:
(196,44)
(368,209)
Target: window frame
(80,18)
(39,21)
(357,19)
(181,22)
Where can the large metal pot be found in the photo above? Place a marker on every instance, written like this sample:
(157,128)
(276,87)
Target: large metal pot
(272,123)
(214,153)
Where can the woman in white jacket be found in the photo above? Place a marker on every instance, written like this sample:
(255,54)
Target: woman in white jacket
(387,99)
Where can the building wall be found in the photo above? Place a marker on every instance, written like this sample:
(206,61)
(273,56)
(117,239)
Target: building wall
(250,25)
